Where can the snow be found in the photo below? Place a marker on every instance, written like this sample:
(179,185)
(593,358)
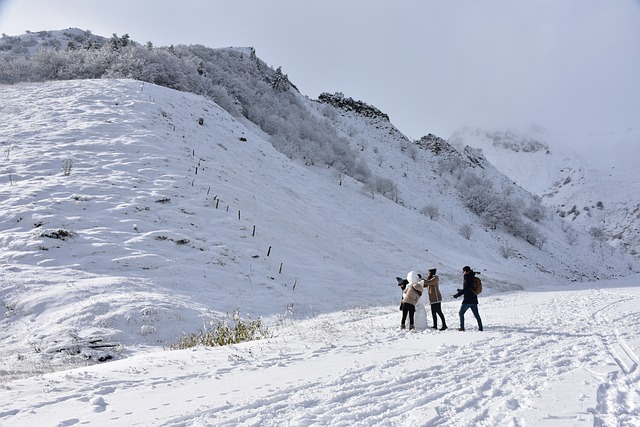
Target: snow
(546,358)
(591,177)
(126,222)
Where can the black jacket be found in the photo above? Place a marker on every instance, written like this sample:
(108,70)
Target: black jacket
(467,286)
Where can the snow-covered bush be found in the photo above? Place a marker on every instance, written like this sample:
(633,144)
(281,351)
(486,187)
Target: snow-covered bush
(383,186)
(507,252)
(466,231)
(432,211)
(535,212)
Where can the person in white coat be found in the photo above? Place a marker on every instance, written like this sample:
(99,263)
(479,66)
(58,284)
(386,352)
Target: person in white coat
(411,294)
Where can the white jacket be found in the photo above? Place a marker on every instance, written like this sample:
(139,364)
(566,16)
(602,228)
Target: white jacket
(413,291)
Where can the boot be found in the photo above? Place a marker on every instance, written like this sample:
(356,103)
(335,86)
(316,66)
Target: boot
(444,328)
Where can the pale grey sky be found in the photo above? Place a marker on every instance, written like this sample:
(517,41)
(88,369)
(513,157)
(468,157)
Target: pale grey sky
(433,66)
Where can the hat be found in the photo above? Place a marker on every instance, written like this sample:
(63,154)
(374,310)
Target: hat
(399,279)
(432,271)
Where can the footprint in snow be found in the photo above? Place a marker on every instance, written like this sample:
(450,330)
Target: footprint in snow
(99,405)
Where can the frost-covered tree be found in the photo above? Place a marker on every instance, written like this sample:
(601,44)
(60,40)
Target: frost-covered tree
(466,231)
(507,252)
(430,210)
(532,235)
(412,152)
(386,187)
(383,186)
(535,211)
(116,43)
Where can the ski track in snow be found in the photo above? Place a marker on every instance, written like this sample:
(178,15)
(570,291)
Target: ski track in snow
(621,393)
(337,370)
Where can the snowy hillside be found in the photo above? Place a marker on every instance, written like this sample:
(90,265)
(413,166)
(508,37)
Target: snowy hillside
(594,188)
(115,189)
(134,214)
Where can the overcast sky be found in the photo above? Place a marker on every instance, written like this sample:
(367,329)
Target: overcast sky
(433,66)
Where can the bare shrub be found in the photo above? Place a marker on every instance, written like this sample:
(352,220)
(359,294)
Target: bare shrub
(67,165)
(432,211)
(466,230)
(507,252)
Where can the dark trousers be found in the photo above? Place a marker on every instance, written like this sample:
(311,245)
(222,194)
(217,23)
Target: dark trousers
(474,310)
(436,310)
(409,309)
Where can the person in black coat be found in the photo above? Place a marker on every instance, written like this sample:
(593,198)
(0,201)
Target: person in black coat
(470,300)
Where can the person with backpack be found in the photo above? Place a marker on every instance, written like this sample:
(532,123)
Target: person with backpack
(470,300)
(411,294)
(432,283)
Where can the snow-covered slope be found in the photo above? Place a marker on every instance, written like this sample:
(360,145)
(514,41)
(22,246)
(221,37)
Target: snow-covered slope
(590,180)
(424,176)
(134,214)
(118,199)
(549,357)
